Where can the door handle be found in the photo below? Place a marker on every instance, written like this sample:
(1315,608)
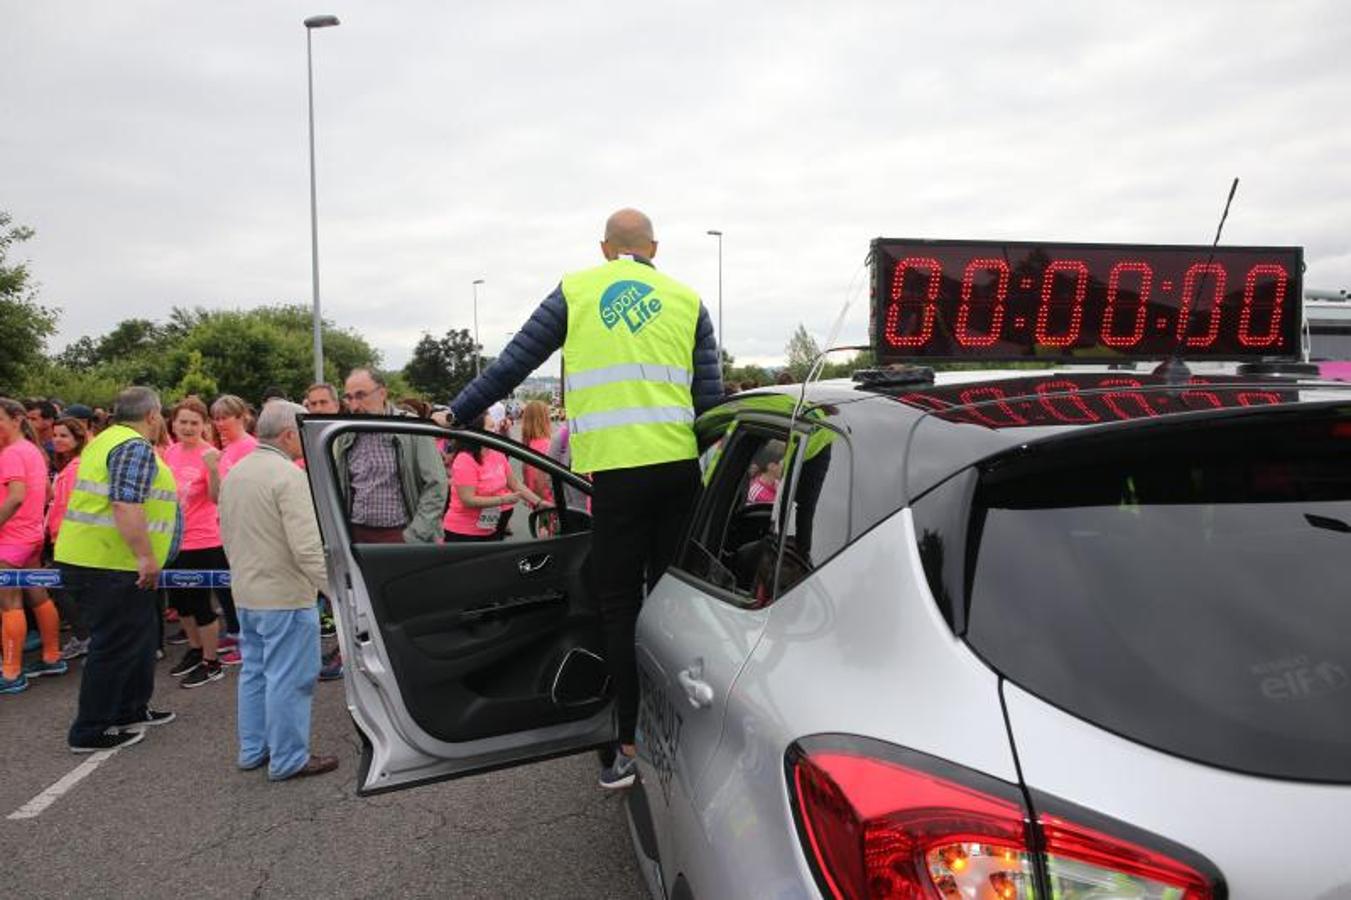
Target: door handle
(529,565)
(697,691)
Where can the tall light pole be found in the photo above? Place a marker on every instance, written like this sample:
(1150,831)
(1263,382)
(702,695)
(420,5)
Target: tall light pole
(718,234)
(312,23)
(477,356)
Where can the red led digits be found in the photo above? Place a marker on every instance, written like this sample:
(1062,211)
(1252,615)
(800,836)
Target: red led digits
(1258,398)
(984,395)
(926,326)
(1109,336)
(1065,391)
(1076,305)
(1110,399)
(1202,275)
(1273,335)
(962,332)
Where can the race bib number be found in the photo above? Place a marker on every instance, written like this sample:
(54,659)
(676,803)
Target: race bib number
(489,517)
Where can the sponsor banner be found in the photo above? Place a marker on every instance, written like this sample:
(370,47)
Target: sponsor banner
(169,578)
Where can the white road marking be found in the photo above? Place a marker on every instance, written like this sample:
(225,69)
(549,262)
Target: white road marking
(35,807)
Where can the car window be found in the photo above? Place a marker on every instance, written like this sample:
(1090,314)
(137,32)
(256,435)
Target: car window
(816,527)
(732,545)
(536,505)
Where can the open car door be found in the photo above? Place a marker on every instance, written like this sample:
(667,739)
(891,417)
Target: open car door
(461,656)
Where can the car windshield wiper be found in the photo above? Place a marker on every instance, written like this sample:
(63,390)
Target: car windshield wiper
(1327,522)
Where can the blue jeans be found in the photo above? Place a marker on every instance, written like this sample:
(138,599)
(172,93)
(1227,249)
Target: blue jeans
(280,651)
(119,672)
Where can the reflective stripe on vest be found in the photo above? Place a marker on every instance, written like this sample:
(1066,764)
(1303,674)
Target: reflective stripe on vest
(89,535)
(627,366)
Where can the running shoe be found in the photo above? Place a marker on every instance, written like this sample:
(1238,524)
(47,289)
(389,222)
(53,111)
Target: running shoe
(206,673)
(149,717)
(112,739)
(40,668)
(230,658)
(228,641)
(13,685)
(620,773)
(327,626)
(178,637)
(191,660)
(332,669)
(74,648)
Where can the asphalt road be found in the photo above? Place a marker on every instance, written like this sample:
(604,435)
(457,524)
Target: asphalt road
(171,817)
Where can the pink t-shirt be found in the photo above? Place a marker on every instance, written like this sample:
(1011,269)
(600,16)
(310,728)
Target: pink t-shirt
(234,452)
(65,483)
(23,462)
(201,522)
(489,479)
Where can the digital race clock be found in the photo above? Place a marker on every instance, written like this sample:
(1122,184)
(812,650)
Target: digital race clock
(1007,300)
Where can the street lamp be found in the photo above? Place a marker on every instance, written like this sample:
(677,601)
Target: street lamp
(718,234)
(312,23)
(477,356)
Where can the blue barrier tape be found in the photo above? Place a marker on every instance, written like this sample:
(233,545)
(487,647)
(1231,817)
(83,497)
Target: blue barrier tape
(169,578)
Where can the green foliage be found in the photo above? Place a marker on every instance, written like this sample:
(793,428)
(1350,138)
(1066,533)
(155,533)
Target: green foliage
(800,352)
(440,368)
(195,380)
(25,324)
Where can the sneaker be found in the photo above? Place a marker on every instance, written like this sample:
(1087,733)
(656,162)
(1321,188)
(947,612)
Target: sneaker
(13,685)
(170,614)
(327,626)
(203,674)
(178,637)
(620,773)
(40,668)
(191,660)
(151,717)
(230,658)
(112,739)
(228,641)
(332,669)
(74,648)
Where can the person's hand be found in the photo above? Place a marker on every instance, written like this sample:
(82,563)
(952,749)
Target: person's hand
(211,458)
(445,418)
(147,572)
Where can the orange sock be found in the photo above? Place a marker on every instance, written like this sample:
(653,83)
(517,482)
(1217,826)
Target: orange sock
(49,626)
(13,630)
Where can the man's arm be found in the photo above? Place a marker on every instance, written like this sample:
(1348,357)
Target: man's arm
(542,334)
(431,501)
(706,388)
(131,470)
(302,530)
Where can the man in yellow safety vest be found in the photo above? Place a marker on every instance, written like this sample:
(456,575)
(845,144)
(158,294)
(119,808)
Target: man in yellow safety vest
(640,362)
(122,525)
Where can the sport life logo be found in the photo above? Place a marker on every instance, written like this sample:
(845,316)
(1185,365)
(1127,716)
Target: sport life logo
(185,579)
(630,302)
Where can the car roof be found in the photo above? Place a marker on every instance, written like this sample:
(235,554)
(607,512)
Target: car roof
(933,429)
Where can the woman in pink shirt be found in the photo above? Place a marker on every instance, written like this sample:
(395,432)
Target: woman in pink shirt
(68,439)
(23,496)
(536,431)
(201,546)
(230,416)
(483,490)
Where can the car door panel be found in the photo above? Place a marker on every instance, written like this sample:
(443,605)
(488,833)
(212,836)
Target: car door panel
(461,657)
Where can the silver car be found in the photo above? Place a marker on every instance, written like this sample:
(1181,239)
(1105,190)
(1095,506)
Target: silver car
(1072,634)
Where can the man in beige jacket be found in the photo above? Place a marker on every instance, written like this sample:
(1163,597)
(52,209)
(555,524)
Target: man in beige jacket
(276,565)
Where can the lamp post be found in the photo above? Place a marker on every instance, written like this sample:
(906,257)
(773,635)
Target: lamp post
(477,356)
(312,23)
(718,234)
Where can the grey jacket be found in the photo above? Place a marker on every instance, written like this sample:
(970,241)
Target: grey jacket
(422,476)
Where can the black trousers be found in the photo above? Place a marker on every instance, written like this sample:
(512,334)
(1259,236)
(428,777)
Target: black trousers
(638,516)
(119,672)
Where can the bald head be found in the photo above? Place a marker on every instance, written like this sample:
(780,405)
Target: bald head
(628,231)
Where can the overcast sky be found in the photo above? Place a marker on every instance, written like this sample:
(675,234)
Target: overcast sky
(159,148)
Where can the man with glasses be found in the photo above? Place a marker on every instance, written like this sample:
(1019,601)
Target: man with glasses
(394,484)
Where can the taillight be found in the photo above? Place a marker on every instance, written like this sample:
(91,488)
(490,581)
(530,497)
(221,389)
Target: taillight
(898,824)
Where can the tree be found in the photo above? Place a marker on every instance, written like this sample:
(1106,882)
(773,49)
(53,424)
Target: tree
(195,380)
(801,352)
(25,324)
(440,368)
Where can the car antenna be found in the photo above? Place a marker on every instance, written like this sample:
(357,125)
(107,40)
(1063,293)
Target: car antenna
(1174,370)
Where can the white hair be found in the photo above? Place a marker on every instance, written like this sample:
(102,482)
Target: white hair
(277,417)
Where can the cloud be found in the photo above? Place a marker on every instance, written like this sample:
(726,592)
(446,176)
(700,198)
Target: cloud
(160,148)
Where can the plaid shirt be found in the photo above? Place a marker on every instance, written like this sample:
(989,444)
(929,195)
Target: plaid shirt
(377,496)
(131,472)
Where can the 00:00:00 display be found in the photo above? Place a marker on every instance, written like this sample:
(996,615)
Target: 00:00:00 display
(1209,276)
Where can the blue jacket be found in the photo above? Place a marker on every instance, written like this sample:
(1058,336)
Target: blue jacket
(545,332)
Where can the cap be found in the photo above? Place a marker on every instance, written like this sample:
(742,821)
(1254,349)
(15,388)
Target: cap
(78,411)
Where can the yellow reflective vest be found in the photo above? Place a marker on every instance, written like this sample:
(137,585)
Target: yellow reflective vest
(628,366)
(89,535)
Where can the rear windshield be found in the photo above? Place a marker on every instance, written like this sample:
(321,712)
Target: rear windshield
(1190,590)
